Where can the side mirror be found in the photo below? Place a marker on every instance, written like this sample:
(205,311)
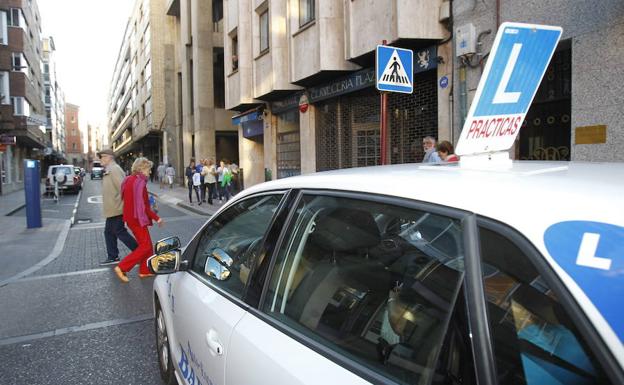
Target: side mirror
(167,244)
(218,264)
(165,263)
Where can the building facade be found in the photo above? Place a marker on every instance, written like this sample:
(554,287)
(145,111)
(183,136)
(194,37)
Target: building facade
(301,75)
(577,111)
(22,112)
(202,126)
(75,152)
(54,102)
(137,117)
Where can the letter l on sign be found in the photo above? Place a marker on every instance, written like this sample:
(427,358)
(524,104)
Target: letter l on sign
(587,253)
(501,95)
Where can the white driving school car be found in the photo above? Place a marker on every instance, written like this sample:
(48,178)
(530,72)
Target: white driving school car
(406,274)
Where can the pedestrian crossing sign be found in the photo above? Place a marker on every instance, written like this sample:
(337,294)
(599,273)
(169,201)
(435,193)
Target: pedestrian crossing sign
(394,69)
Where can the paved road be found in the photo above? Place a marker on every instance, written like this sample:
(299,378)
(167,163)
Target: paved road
(71,321)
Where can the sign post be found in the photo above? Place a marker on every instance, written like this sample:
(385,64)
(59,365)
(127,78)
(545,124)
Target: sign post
(32,189)
(394,72)
(517,63)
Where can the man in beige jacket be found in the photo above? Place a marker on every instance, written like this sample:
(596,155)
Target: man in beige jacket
(113,208)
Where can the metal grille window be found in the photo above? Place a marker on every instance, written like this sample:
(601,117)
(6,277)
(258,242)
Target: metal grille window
(348,135)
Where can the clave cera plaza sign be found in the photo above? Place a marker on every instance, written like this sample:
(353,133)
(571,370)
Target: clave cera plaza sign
(514,71)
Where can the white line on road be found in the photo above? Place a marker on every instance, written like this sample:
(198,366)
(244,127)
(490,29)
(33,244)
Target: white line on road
(76,207)
(58,275)
(56,251)
(74,329)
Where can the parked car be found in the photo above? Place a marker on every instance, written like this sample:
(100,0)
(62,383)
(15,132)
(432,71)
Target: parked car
(97,171)
(406,274)
(66,177)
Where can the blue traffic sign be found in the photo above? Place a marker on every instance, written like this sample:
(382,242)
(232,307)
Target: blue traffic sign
(394,69)
(515,68)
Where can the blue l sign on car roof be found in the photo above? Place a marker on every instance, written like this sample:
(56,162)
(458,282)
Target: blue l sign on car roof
(592,254)
(514,71)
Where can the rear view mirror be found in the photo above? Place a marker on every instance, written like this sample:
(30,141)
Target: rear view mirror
(167,244)
(217,265)
(164,263)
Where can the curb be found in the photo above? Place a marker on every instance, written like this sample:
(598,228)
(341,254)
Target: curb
(193,209)
(18,208)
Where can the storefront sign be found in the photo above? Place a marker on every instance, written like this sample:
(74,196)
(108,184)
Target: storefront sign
(290,102)
(7,139)
(253,128)
(353,82)
(425,59)
(590,134)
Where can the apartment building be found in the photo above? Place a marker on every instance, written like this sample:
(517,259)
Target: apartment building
(203,127)
(75,152)
(54,103)
(22,112)
(300,74)
(577,111)
(137,119)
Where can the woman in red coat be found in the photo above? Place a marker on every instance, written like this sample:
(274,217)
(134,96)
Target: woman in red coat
(138,216)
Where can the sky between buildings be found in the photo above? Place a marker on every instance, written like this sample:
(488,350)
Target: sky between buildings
(87,35)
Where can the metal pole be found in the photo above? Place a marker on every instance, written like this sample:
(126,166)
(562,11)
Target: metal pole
(383,122)
(384,126)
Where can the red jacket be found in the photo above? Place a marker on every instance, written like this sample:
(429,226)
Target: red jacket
(128,198)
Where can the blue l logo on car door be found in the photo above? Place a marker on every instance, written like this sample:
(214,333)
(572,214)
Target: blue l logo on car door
(592,253)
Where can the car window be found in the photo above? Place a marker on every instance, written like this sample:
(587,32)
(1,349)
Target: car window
(236,233)
(64,170)
(376,283)
(535,341)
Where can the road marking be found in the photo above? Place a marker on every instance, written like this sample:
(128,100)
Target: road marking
(75,329)
(95,199)
(76,207)
(101,225)
(56,251)
(69,274)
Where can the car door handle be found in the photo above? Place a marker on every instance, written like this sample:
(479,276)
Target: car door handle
(212,339)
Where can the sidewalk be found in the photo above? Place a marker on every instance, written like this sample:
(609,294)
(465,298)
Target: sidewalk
(11,202)
(14,201)
(178,196)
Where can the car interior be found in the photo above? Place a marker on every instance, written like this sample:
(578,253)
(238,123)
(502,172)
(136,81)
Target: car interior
(379,283)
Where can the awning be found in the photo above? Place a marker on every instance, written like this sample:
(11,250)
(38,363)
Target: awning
(247,116)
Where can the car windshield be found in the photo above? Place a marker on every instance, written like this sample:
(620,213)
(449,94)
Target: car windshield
(64,170)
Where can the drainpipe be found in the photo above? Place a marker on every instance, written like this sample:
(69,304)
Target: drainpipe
(463,96)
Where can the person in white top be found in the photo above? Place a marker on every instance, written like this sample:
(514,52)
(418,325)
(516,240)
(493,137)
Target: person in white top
(210,182)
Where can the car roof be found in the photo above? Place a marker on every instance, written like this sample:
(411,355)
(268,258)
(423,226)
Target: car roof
(486,191)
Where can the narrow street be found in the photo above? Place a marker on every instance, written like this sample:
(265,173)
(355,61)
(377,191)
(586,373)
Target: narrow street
(70,307)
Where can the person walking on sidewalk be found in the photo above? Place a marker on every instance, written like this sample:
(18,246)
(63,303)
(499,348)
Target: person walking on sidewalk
(170,174)
(138,215)
(112,205)
(161,174)
(208,171)
(190,170)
